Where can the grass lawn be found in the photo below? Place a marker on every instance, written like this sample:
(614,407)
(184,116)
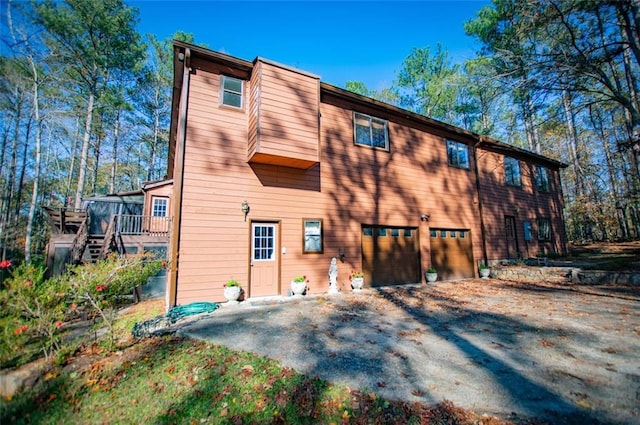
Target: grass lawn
(170,380)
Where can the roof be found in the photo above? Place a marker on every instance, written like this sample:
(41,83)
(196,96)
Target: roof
(354,98)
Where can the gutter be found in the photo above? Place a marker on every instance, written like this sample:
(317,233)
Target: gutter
(178,179)
(482,227)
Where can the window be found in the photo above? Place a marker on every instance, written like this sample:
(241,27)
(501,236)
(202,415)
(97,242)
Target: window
(433,233)
(407,233)
(231,91)
(512,171)
(370,131)
(395,232)
(159,207)
(544,229)
(312,235)
(542,179)
(367,231)
(263,242)
(458,154)
(382,231)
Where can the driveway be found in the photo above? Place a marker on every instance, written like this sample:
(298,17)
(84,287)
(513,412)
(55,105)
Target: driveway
(513,350)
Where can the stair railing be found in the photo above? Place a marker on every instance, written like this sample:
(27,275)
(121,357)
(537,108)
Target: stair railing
(79,243)
(108,238)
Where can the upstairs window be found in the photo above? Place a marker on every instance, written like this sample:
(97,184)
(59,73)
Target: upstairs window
(542,179)
(458,154)
(370,131)
(512,171)
(231,91)
(544,229)
(159,207)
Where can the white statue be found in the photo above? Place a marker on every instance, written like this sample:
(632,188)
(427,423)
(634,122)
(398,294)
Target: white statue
(333,277)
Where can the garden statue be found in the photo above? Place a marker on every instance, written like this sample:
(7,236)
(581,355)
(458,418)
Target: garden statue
(333,276)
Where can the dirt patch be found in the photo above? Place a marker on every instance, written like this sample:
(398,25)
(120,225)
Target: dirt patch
(513,350)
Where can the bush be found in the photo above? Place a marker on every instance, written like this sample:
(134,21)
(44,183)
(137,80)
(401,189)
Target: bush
(33,310)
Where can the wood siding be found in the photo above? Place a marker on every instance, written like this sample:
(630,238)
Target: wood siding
(288,165)
(283,117)
(524,203)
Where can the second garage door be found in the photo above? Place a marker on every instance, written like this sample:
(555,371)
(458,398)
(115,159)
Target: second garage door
(452,253)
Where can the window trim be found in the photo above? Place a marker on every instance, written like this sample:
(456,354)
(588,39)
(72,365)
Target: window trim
(153,205)
(305,249)
(371,119)
(223,90)
(509,178)
(457,146)
(544,238)
(542,188)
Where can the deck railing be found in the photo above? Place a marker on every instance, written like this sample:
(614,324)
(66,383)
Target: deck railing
(135,225)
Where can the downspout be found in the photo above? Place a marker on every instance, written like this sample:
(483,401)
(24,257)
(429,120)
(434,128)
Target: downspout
(178,177)
(482,228)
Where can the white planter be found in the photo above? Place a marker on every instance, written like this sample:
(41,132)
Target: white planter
(431,277)
(357,283)
(485,273)
(232,293)
(298,288)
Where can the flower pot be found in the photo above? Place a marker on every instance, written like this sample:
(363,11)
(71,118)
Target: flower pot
(431,277)
(298,288)
(357,283)
(484,273)
(232,293)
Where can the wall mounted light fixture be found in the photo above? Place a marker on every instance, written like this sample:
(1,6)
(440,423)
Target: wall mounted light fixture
(245,209)
(424,217)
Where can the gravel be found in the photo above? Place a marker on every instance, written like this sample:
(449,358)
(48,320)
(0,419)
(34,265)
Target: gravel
(513,350)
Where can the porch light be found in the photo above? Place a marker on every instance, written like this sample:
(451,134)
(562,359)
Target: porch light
(245,209)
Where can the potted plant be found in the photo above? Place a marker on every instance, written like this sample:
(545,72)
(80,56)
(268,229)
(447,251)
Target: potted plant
(232,291)
(299,285)
(357,280)
(431,275)
(485,271)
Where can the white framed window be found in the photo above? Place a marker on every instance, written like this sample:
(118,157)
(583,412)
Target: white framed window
(312,229)
(512,171)
(231,91)
(457,154)
(159,207)
(263,243)
(542,179)
(370,131)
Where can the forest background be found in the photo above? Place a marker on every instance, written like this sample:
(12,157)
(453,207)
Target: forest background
(85,104)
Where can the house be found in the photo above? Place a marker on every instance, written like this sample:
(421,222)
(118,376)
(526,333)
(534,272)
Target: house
(128,222)
(276,172)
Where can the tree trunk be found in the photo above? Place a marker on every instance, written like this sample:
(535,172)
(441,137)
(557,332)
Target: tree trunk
(36,176)
(72,164)
(84,154)
(572,139)
(114,164)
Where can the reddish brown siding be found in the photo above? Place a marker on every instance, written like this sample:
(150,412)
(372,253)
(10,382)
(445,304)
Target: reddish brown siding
(283,117)
(234,155)
(524,203)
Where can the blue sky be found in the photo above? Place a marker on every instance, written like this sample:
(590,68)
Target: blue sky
(339,41)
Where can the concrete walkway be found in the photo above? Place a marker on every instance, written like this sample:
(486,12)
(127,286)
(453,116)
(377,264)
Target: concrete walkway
(514,350)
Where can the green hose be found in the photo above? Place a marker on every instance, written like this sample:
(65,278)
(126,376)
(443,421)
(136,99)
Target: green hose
(180,311)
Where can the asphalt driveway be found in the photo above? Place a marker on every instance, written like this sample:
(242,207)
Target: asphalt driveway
(517,351)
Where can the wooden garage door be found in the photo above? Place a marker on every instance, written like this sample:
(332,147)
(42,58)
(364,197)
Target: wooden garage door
(390,255)
(452,253)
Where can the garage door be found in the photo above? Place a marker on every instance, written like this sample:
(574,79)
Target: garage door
(452,253)
(390,255)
